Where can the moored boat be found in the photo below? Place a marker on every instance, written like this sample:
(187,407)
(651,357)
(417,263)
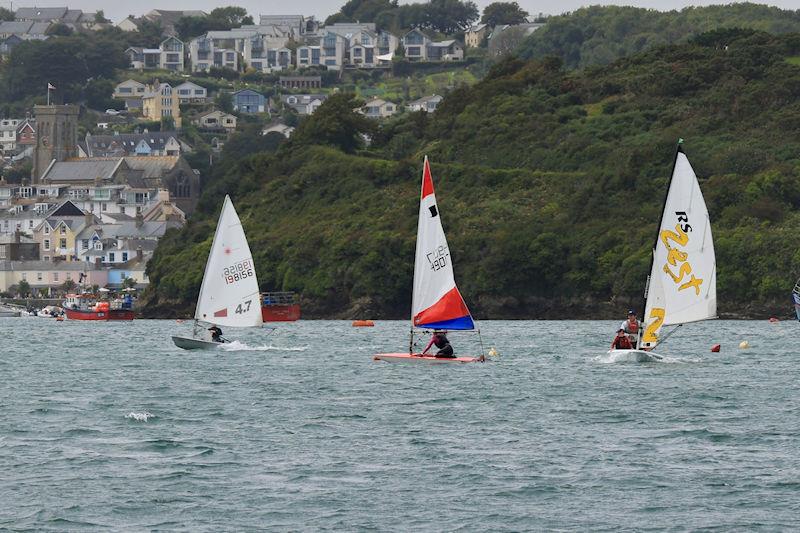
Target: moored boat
(279,307)
(87,307)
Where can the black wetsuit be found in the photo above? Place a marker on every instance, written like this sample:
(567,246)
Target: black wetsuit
(441,342)
(216,335)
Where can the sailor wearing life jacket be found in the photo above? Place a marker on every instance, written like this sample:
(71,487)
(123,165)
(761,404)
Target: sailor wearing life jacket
(631,327)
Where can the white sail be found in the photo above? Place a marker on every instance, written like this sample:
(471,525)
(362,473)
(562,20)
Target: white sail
(683,281)
(229,293)
(436,302)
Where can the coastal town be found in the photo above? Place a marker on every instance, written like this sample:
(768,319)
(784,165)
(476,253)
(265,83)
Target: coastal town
(88,190)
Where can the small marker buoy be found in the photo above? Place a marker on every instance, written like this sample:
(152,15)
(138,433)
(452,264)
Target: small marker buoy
(715,348)
(773,319)
(493,352)
(744,345)
(363,323)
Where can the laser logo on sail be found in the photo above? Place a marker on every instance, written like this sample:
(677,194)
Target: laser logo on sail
(677,257)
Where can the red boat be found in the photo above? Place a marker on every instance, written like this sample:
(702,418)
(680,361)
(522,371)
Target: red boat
(86,307)
(279,307)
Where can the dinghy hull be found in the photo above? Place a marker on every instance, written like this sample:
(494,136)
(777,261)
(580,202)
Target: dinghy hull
(419,358)
(188,343)
(638,356)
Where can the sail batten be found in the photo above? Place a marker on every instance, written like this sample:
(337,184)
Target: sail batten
(436,301)
(229,293)
(683,272)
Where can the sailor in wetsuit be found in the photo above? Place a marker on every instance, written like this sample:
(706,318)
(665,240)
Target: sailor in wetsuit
(216,334)
(440,340)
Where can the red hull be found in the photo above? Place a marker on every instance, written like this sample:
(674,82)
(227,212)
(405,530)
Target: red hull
(114,314)
(280,313)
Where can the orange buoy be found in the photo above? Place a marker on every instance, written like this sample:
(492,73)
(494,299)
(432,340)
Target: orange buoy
(363,323)
(59,319)
(179,321)
(715,348)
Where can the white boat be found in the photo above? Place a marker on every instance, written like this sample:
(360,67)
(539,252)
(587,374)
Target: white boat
(682,285)
(229,293)
(436,302)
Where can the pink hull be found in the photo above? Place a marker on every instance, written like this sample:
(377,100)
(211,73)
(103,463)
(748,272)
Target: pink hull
(418,358)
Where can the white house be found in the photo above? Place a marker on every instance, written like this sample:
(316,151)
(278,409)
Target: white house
(378,108)
(426,103)
(190,92)
(216,120)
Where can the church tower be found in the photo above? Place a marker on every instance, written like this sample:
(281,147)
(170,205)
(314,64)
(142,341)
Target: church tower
(56,136)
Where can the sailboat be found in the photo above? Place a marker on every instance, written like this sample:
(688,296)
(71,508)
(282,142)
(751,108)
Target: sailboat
(229,292)
(682,285)
(436,302)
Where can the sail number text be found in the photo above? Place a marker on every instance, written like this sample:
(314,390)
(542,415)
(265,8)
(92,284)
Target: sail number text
(438,257)
(239,271)
(676,258)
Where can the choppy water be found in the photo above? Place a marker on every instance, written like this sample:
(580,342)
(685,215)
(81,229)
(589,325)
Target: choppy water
(110,427)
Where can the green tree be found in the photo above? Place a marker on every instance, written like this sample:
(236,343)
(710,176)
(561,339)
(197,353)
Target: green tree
(6,14)
(23,289)
(498,13)
(336,124)
(224,101)
(100,17)
(59,29)
(451,16)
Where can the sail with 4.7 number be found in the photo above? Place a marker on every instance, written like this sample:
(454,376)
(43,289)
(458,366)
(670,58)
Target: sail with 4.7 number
(229,291)
(682,286)
(436,303)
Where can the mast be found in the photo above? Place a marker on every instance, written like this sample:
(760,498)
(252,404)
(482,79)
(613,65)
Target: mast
(678,150)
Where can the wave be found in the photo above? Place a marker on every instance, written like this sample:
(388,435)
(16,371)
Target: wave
(140,417)
(629,357)
(237,346)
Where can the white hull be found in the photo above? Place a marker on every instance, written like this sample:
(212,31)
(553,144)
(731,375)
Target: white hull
(188,343)
(634,356)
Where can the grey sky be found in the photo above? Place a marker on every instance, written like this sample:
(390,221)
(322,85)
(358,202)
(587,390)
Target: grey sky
(117,9)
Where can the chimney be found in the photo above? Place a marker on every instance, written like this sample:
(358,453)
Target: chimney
(139,253)
(97,262)
(88,218)
(16,236)
(139,220)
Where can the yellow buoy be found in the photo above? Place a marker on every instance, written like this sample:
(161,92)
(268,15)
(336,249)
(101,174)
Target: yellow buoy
(744,345)
(493,352)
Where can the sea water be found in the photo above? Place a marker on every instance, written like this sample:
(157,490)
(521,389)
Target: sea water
(108,426)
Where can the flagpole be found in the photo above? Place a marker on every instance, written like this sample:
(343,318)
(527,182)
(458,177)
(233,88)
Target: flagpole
(48,94)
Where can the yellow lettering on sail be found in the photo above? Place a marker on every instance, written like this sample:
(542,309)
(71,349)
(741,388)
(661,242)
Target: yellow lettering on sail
(657,314)
(694,282)
(680,238)
(686,268)
(674,256)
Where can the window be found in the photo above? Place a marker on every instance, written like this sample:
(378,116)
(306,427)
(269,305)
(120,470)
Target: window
(47,258)
(85,244)
(63,230)
(38,276)
(55,276)
(30,224)
(103,206)
(62,243)
(25,276)
(69,275)
(47,229)
(125,90)
(111,257)
(124,256)
(47,244)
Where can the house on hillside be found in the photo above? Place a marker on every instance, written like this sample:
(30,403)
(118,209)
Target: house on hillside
(248,101)
(426,103)
(303,104)
(300,82)
(129,89)
(283,129)
(445,51)
(216,120)
(326,50)
(191,92)
(159,102)
(474,36)
(168,56)
(378,108)
(157,143)
(416,44)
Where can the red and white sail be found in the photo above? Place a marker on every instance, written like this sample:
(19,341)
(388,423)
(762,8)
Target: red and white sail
(436,302)
(229,293)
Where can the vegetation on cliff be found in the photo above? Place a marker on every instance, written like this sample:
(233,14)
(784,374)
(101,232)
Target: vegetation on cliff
(550,182)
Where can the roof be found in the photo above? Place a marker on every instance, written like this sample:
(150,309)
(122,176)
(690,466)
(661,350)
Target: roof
(444,44)
(82,170)
(152,166)
(130,81)
(21,266)
(40,13)
(189,84)
(67,209)
(125,143)
(243,91)
(216,112)
(426,99)
(15,26)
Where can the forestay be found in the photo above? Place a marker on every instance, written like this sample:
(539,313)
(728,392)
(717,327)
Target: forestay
(229,293)
(683,285)
(436,302)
